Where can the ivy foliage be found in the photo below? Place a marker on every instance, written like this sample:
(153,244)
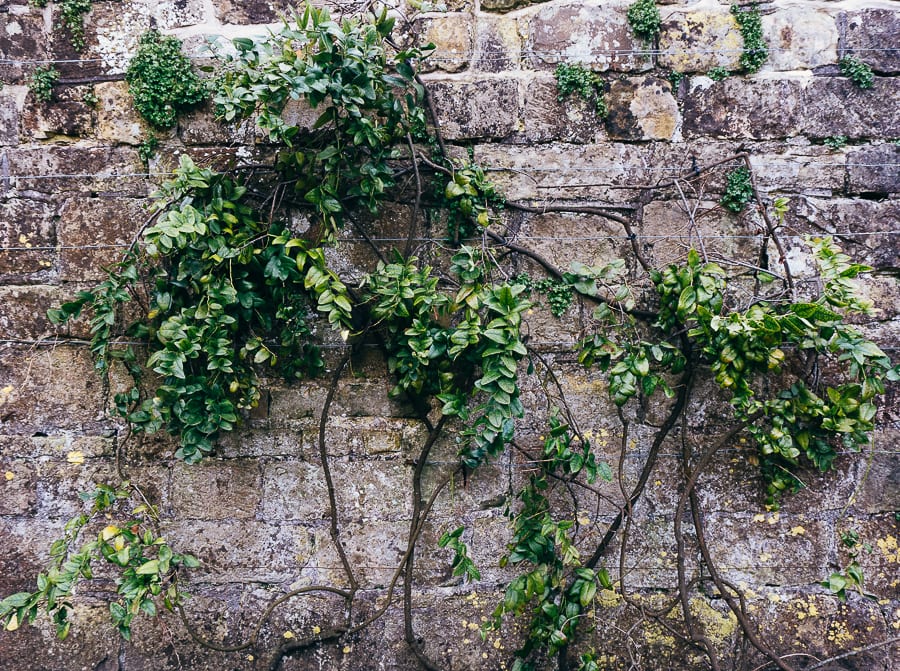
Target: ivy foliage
(644,19)
(161,80)
(219,291)
(145,564)
(454,347)
(738,190)
(744,348)
(41,83)
(755,51)
(556,589)
(859,72)
(366,103)
(588,85)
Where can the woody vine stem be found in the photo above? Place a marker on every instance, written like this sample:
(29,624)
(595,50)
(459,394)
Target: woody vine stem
(228,291)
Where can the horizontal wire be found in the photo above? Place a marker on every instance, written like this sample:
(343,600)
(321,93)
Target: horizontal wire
(569,55)
(519,237)
(590,169)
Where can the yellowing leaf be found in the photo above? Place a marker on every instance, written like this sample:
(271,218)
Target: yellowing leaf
(109,532)
(9,475)
(288,634)
(75,457)
(13,623)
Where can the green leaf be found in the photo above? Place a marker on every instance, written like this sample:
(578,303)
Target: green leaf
(148,568)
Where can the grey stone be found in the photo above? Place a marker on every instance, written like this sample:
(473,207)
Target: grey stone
(487,108)
(871,36)
(596,36)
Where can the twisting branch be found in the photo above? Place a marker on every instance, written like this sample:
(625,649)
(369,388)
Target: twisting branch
(671,419)
(329,482)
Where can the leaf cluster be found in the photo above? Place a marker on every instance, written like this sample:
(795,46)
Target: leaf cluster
(468,199)
(556,589)
(559,293)
(161,80)
(858,71)
(644,19)
(219,292)
(755,51)
(738,190)
(462,349)
(744,347)
(366,102)
(588,85)
(145,564)
(41,83)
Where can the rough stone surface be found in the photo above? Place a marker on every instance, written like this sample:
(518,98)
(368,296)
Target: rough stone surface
(480,109)
(452,37)
(700,41)
(871,35)
(782,108)
(597,36)
(117,120)
(800,39)
(642,109)
(73,192)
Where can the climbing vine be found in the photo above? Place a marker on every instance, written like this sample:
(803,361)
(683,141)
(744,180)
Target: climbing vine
(230,282)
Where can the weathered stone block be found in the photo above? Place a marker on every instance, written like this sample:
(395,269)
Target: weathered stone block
(169,14)
(94,233)
(62,169)
(674,228)
(22,38)
(799,39)
(9,117)
(642,108)
(881,488)
(27,237)
(487,108)
(836,106)
(602,173)
(380,490)
(754,549)
(874,169)
(743,108)
(778,108)
(498,45)
(60,483)
(48,390)
(547,119)
(700,40)
(216,490)
(852,221)
(294,490)
(871,36)
(809,169)
(200,127)
(240,550)
(66,115)
(23,310)
(117,120)
(252,11)
(598,36)
(18,486)
(452,36)
(585,238)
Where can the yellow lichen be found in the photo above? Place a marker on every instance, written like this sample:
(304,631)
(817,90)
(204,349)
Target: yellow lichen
(718,626)
(888,548)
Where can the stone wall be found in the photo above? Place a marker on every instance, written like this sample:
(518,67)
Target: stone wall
(73,191)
